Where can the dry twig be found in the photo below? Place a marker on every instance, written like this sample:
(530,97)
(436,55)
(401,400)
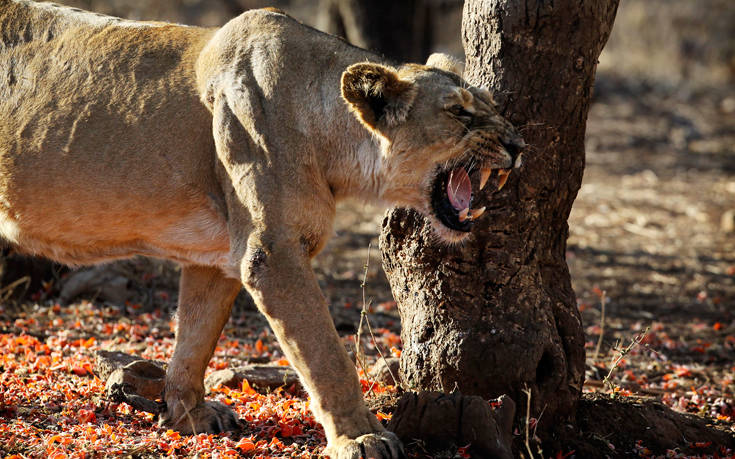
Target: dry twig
(603,301)
(620,353)
(359,354)
(8,290)
(527,391)
(364,319)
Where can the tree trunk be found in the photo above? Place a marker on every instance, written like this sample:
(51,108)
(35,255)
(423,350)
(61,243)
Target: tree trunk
(399,30)
(498,313)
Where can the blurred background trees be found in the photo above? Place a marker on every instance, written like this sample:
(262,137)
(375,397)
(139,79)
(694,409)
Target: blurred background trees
(667,41)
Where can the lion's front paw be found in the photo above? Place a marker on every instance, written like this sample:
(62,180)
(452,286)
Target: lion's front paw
(209,417)
(379,445)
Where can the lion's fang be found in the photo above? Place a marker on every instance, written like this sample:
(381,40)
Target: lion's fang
(463,214)
(504,174)
(485,173)
(475,213)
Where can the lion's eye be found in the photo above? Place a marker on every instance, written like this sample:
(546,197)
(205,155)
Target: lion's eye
(459,111)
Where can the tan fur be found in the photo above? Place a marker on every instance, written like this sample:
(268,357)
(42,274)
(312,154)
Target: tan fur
(225,150)
(446,62)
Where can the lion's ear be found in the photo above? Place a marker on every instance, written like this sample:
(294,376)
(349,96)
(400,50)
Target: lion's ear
(446,62)
(377,95)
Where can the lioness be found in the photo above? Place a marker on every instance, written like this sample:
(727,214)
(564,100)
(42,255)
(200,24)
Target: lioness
(226,150)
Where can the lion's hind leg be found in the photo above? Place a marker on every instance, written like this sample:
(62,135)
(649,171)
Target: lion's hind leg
(205,302)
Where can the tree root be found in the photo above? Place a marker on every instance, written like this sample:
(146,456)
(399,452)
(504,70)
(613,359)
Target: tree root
(625,426)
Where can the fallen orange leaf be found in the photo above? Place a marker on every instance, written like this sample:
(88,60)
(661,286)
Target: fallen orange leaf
(245,445)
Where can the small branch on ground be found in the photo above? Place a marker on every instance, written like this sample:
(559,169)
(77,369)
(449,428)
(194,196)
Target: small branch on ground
(364,319)
(529,437)
(7,291)
(359,354)
(620,353)
(527,391)
(603,301)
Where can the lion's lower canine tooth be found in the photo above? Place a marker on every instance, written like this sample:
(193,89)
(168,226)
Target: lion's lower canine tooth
(504,174)
(475,213)
(519,160)
(484,175)
(463,214)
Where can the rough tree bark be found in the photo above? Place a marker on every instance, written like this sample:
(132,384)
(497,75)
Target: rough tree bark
(498,313)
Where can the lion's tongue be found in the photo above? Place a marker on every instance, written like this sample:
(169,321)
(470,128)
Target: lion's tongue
(459,189)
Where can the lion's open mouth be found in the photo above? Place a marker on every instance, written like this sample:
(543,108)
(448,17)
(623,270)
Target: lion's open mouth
(452,191)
